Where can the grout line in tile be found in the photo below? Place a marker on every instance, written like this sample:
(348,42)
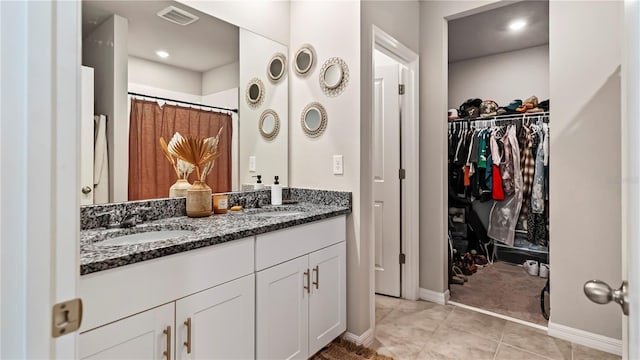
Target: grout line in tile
(528,351)
(495,355)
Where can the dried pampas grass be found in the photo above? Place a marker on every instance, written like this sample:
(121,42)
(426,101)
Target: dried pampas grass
(200,153)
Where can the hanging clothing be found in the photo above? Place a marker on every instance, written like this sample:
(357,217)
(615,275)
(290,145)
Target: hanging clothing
(100,161)
(504,214)
(527,166)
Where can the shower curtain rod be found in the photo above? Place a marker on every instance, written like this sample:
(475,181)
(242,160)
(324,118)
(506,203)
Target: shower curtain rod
(183,102)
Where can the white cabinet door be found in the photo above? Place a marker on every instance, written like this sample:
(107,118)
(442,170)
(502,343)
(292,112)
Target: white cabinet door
(141,336)
(283,311)
(221,321)
(328,300)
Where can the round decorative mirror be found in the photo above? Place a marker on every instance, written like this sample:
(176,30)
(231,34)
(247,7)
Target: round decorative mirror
(269,124)
(314,119)
(255,93)
(277,67)
(334,76)
(304,60)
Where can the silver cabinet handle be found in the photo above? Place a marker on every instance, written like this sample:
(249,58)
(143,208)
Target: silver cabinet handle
(86,189)
(601,293)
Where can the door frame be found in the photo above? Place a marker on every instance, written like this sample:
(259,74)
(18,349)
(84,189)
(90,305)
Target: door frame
(39,208)
(380,40)
(630,150)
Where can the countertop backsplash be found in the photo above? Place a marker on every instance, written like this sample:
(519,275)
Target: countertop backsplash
(173,207)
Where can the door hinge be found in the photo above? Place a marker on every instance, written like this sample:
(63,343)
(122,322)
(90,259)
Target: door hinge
(402,174)
(403,259)
(401,89)
(66,317)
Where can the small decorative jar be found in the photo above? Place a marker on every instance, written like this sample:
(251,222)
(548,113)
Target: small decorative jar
(199,200)
(179,189)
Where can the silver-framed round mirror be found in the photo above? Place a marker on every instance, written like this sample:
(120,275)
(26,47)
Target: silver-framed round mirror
(314,119)
(277,67)
(304,60)
(334,76)
(255,93)
(269,124)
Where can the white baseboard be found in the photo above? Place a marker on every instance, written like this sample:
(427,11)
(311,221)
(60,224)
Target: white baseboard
(434,296)
(366,339)
(595,341)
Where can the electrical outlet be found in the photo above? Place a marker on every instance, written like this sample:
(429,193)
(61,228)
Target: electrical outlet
(252,163)
(338,168)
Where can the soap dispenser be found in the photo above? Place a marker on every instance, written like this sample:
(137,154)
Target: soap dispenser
(276,193)
(258,185)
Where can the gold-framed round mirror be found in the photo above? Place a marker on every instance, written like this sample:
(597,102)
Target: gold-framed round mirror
(314,119)
(269,124)
(304,60)
(255,93)
(277,67)
(334,76)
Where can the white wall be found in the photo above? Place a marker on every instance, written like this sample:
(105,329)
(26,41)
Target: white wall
(222,78)
(164,76)
(400,19)
(585,200)
(105,50)
(269,18)
(501,77)
(310,159)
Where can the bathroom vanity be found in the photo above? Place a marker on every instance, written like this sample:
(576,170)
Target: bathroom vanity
(267,283)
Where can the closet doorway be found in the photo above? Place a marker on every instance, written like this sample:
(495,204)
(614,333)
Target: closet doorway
(498,136)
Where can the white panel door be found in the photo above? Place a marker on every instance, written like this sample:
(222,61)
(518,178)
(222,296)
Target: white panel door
(282,310)
(386,182)
(86,138)
(221,321)
(140,336)
(328,301)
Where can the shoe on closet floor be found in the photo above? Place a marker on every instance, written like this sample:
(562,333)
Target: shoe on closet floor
(531,267)
(544,270)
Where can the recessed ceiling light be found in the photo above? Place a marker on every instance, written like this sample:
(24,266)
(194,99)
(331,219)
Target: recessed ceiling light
(517,25)
(163,54)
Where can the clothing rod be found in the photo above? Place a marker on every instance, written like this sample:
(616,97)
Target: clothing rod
(501,117)
(183,102)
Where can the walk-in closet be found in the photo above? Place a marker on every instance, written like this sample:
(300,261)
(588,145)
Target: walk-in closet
(499,127)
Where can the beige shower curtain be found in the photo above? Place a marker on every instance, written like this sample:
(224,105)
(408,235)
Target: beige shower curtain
(150,174)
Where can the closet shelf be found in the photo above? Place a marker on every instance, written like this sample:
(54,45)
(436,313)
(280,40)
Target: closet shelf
(509,117)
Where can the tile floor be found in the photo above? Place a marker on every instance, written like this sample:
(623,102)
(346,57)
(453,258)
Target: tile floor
(412,330)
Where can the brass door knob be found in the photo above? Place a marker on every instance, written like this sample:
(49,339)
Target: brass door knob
(86,189)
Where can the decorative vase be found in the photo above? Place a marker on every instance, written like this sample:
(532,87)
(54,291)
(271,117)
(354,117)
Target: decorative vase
(199,200)
(179,189)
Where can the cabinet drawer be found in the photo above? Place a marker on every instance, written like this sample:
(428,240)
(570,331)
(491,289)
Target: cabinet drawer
(117,293)
(279,246)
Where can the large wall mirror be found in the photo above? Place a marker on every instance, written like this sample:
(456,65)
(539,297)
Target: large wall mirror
(151,69)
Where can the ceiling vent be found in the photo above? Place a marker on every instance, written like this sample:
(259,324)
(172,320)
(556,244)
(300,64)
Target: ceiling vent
(177,16)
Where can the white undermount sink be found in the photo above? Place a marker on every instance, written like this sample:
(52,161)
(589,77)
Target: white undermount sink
(278,213)
(144,237)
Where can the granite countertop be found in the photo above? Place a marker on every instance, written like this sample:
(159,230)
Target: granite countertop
(207,231)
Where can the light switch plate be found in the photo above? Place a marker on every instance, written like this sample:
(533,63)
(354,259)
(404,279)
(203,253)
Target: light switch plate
(338,168)
(252,163)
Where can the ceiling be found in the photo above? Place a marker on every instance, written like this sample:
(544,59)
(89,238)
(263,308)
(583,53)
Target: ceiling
(487,33)
(203,45)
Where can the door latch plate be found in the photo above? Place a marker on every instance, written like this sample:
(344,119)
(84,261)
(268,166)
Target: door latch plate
(66,317)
